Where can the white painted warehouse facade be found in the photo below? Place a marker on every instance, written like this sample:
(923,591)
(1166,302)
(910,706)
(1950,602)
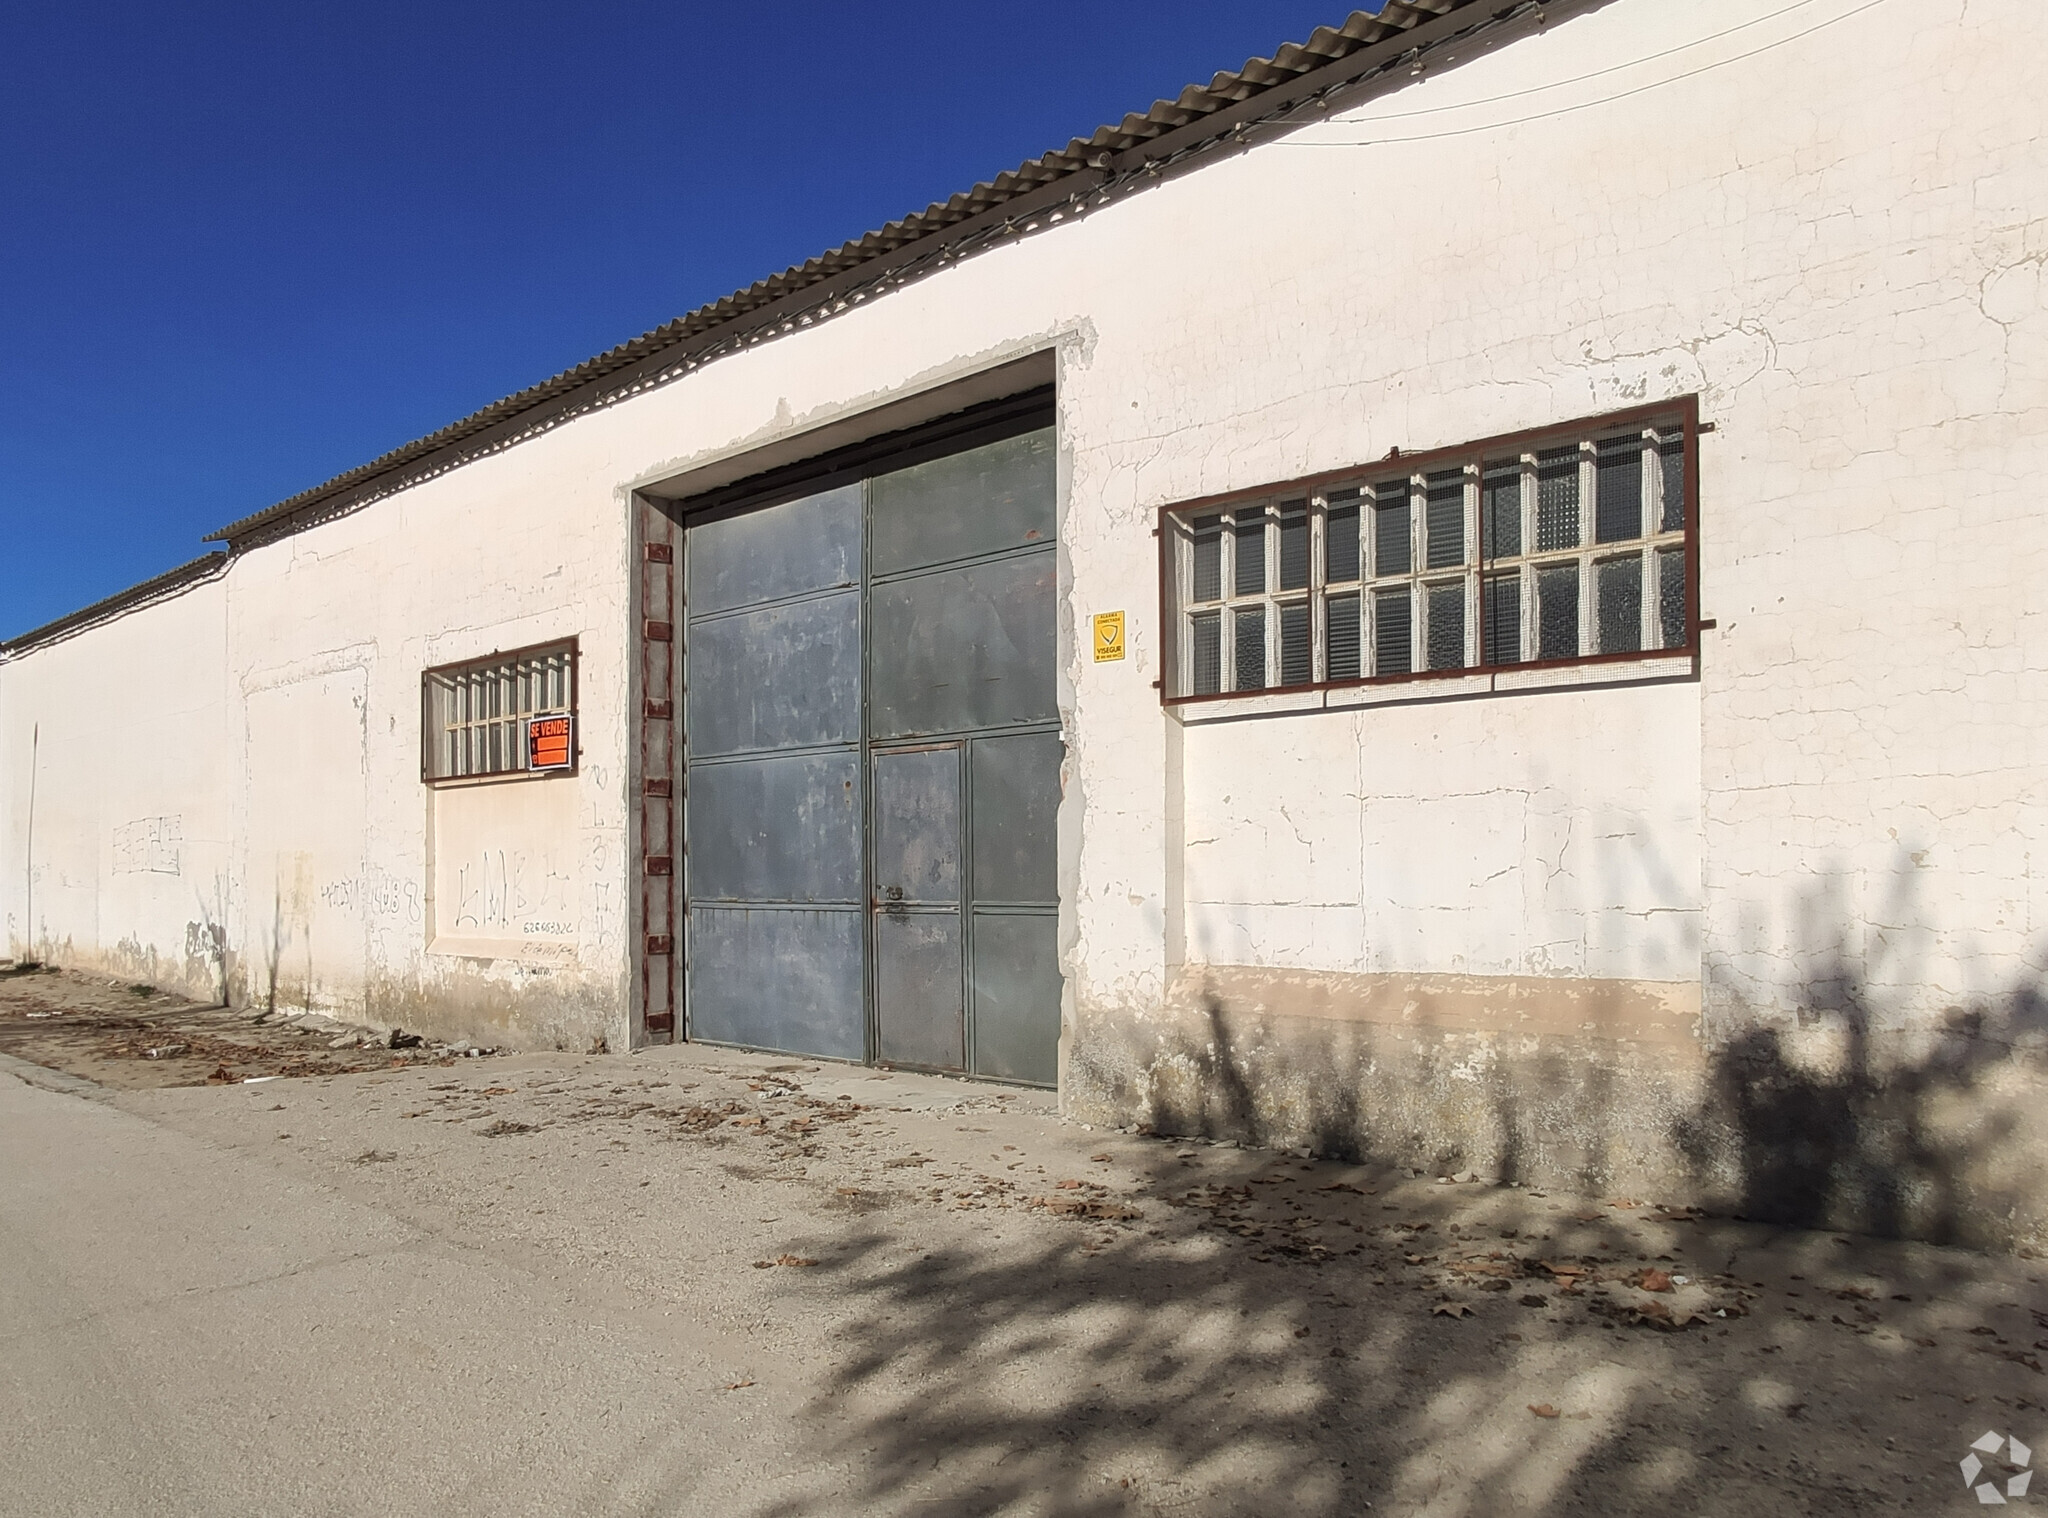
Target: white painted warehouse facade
(1578,461)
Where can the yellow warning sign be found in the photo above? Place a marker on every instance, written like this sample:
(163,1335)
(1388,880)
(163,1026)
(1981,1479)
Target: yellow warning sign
(1109,636)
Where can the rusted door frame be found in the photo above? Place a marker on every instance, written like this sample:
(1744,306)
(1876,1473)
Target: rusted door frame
(657,779)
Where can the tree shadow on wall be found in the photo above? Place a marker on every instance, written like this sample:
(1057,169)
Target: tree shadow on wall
(1846,1112)
(1412,1097)
(1840,1122)
(1833,1117)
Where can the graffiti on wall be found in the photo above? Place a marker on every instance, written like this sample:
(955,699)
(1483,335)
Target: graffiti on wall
(149,846)
(514,892)
(376,893)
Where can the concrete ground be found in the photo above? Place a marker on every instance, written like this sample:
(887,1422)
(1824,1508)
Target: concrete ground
(698,1282)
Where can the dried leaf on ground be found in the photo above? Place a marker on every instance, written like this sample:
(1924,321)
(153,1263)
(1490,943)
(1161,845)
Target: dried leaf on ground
(1543,1409)
(1657,1315)
(1084,1207)
(2017,1356)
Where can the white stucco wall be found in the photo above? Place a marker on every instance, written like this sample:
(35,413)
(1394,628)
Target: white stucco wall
(403,902)
(275,717)
(1854,290)
(115,824)
(1546,834)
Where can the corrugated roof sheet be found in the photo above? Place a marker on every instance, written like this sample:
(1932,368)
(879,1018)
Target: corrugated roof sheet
(1090,160)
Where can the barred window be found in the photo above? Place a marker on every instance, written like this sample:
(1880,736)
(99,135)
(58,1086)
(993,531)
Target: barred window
(475,716)
(1566,545)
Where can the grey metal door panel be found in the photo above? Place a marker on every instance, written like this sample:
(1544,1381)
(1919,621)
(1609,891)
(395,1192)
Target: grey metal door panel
(1016,791)
(778,978)
(781,828)
(982,501)
(831,909)
(916,822)
(920,1010)
(786,550)
(917,989)
(782,677)
(1017,997)
(963,648)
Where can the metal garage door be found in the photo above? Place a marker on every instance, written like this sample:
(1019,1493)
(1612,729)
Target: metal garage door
(872,768)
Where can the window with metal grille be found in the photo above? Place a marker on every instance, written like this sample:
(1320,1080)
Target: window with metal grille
(474,715)
(1566,545)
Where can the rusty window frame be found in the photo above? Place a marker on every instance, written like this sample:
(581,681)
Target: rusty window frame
(1653,427)
(478,675)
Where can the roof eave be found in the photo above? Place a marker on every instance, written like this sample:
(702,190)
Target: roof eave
(170,582)
(1204,119)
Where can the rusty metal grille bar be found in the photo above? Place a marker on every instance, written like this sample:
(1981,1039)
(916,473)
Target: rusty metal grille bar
(1565,545)
(474,718)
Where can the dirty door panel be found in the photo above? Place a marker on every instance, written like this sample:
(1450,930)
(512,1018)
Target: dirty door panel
(788,550)
(1013,920)
(775,677)
(1017,996)
(917,825)
(919,987)
(1016,810)
(1006,489)
(963,619)
(777,978)
(964,648)
(772,804)
(779,828)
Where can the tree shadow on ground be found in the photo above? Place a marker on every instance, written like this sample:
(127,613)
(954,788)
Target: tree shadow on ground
(1189,1368)
(1284,1352)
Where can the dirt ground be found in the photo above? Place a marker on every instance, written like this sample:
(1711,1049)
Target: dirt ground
(937,1297)
(134,1037)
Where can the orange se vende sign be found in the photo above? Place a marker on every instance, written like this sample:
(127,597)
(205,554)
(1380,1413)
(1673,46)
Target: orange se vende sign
(550,742)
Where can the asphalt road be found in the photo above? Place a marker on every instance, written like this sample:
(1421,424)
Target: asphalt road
(190,1330)
(696,1282)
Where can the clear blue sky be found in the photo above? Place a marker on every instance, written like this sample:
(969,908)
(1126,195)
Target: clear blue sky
(244,248)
